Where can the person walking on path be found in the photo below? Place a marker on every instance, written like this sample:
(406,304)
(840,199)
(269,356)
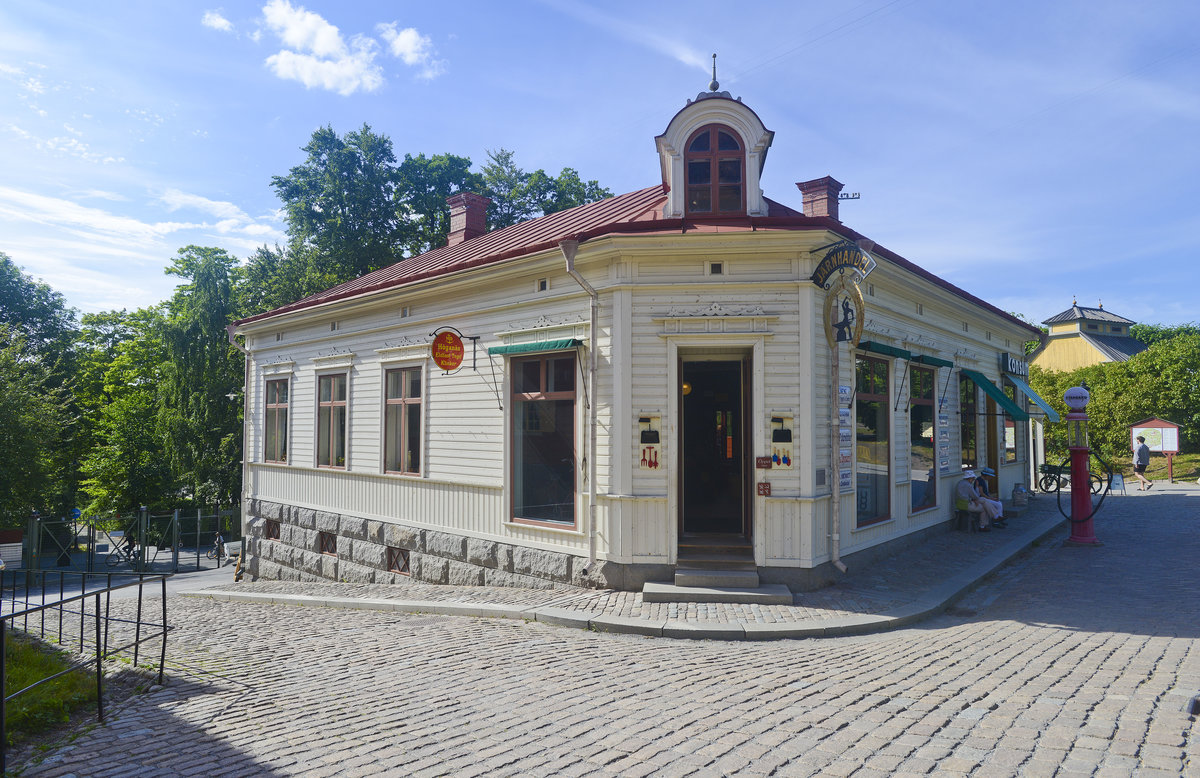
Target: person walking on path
(1141,459)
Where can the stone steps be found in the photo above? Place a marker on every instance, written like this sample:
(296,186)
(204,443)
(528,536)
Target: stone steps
(766,594)
(739,579)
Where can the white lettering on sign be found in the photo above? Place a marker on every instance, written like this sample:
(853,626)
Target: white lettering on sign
(1010,363)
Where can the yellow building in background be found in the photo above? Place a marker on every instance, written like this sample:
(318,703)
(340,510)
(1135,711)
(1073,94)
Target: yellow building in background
(1081,336)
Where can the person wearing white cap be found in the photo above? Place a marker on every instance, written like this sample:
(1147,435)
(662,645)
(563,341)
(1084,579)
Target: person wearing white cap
(981,484)
(967,497)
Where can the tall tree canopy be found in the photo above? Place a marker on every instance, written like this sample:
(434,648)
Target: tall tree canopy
(37,313)
(203,426)
(341,202)
(33,420)
(126,463)
(517,195)
(425,184)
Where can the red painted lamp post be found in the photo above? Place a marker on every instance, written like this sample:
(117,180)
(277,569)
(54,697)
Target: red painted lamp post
(1082,531)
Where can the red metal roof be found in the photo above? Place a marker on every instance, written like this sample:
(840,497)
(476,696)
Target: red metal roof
(638,212)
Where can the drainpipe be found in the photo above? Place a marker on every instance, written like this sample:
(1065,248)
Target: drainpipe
(569,248)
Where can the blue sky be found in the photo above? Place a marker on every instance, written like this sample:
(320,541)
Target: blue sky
(1028,151)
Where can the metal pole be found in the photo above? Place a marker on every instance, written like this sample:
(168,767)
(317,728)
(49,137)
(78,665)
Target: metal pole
(137,627)
(162,658)
(99,665)
(3,690)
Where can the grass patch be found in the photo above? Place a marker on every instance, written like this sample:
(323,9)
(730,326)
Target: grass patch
(27,661)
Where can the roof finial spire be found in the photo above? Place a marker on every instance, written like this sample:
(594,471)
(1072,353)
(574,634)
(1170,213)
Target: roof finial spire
(1100,304)
(1074,300)
(713,85)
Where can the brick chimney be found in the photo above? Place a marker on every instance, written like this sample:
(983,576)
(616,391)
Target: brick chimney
(821,196)
(468,217)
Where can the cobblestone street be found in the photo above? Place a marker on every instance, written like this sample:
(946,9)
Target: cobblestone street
(1070,661)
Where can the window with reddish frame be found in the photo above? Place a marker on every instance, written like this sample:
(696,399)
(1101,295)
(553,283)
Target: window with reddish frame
(715,171)
(275,434)
(402,421)
(543,429)
(331,420)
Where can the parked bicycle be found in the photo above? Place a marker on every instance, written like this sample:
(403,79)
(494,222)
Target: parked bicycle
(1055,478)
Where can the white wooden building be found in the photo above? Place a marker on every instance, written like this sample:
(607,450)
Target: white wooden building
(646,383)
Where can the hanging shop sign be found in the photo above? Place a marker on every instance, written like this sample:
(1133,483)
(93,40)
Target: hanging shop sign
(447,349)
(1013,365)
(842,256)
(844,313)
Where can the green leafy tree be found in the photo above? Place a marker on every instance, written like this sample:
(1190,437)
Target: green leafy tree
(425,184)
(1153,333)
(33,418)
(517,195)
(341,203)
(1162,381)
(126,463)
(567,190)
(505,185)
(202,426)
(38,314)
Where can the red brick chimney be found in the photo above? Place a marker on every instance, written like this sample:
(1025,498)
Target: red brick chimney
(821,196)
(468,217)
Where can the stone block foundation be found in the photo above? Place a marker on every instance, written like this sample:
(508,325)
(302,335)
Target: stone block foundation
(434,556)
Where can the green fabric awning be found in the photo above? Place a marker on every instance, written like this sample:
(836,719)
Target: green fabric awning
(997,394)
(1051,414)
(883,348)
(544,345)
(925,359)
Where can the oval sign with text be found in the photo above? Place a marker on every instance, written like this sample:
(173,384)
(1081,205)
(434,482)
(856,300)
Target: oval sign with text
(447,351)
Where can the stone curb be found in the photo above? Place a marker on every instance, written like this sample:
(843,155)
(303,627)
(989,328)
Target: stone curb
(930,604)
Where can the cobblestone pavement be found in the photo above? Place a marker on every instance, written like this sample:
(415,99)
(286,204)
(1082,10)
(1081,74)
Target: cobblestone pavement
(1069,661)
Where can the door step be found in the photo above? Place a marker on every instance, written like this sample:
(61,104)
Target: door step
(766,594)
(739,578)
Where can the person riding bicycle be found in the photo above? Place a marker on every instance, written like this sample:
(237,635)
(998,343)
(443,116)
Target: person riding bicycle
(130,545)
(219,546)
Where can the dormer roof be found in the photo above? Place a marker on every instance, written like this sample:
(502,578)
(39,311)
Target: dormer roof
(1080,313)
(713,108)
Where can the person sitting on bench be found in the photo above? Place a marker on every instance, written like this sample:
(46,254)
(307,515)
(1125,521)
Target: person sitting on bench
(981,485)
(967,498)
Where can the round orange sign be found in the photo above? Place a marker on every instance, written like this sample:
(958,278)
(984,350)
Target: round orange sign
(447,351)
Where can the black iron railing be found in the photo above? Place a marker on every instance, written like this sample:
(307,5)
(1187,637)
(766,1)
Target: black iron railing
(79,609)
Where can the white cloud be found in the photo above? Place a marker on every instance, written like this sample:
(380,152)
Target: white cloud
(315,53)
(412,48)
(214,20)
(344,76)
(304,30)
(175,199)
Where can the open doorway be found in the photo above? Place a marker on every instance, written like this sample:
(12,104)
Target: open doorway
(714,448)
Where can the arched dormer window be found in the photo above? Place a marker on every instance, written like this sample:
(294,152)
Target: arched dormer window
(716,172)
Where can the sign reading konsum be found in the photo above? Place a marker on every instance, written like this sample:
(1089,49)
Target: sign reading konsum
(841,257)
(1014,365)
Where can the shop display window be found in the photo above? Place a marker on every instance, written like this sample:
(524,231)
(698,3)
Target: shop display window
(543,434)
(872,462)
(921,438)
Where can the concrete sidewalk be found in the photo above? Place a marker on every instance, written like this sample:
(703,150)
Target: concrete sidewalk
(893,592)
